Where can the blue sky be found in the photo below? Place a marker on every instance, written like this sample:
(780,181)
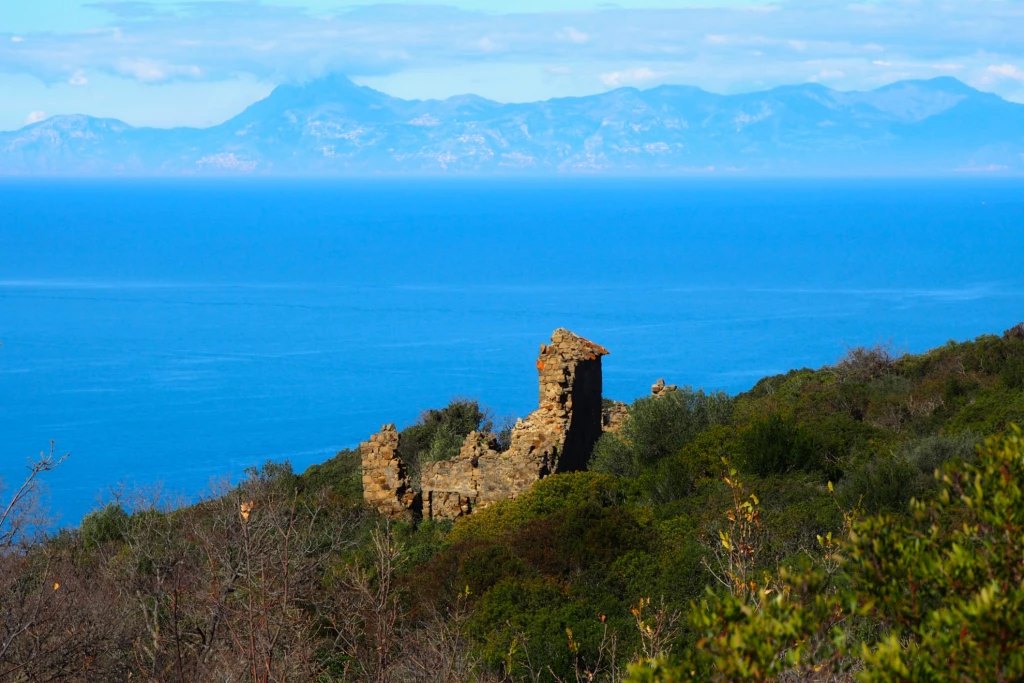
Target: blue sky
(170,63)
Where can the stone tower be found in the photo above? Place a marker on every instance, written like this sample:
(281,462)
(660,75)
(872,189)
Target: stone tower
(570,395)
(557,437)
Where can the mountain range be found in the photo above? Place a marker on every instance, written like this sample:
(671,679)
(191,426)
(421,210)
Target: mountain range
(332,126)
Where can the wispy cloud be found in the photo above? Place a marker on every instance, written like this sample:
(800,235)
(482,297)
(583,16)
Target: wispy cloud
(726,49)
(638,76)
(35,117)
(1007,71)
(156,71)
(573,35)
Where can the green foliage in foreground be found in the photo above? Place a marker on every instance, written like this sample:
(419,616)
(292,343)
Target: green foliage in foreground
(936,595)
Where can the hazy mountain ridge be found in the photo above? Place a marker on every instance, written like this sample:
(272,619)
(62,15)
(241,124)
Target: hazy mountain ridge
(332,126)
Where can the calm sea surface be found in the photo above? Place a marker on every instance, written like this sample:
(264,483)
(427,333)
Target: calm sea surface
(177,332)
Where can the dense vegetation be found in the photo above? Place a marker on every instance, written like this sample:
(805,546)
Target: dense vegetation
(850,522)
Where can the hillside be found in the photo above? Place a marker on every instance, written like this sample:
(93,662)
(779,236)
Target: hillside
(331,126)
(764,536)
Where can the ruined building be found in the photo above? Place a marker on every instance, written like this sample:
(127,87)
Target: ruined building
(557,437)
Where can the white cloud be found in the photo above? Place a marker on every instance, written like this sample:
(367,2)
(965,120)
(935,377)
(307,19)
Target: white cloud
(1006,71)
(618,79)
(573,35)
(155,71)
(17,39)
(487,45)
(35,117)
(78,78)
(881,62)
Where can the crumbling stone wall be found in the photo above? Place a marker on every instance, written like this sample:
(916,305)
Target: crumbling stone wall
(481,475)
(386,485)
(559,436)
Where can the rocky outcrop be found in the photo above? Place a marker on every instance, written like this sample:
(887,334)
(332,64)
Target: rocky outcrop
(557,437)
(659,388)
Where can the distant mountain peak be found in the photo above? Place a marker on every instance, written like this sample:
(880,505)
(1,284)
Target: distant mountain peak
(943,83)
(331,84)
(330,90)
(76,123)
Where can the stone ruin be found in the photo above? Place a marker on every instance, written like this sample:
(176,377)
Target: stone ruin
(386,485)
(557,437)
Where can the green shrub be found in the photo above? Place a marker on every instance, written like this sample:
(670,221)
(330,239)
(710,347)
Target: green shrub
(1012,374)
(706,453)
(838,435)
(931,453)
(105,525)
(937,594)
(341,475)
(991,411)
(277,476)
(660,426)
(947,579)
(795,509)
(885,484)
(864,364)
(422,541)
(613,456)
(777,445)
(670,566)
(788,383)
(438,434)
(446,442)
(483,566)
(671,479)
(524,621)
(957,389)
(579,538)
(549,495)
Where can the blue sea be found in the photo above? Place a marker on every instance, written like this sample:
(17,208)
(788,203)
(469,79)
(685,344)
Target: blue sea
(174,333)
